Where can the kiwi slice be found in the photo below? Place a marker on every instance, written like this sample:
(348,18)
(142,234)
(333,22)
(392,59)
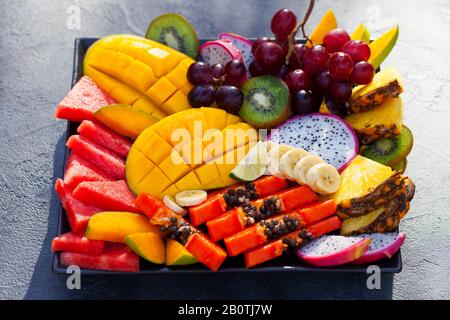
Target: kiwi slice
(401,166)
(174,31)
(390,151)
(266,102)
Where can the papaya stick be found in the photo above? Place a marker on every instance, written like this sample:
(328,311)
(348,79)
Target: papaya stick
(292,240)
(177,228)
(283,201)
(278,226)
(233,197)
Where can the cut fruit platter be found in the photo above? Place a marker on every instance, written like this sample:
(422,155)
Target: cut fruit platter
(233,154)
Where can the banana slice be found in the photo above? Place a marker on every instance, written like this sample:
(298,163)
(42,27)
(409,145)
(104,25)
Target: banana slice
(172,205)
(289,160)
(269,145)
(274,156)
(323,178)
(302,167)
(190,198)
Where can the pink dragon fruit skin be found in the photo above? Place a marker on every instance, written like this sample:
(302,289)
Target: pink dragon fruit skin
(330,251)
(383,245)
(219,51)
(242,43)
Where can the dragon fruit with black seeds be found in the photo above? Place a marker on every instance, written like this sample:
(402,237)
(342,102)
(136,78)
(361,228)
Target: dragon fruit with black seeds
(330,251)
(324,135)
(383,245)
(243,44)
(219,51)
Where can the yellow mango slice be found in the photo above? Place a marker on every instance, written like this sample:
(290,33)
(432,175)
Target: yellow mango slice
(154,182)
(161,90)
(125,119)
(177,102)
(189,182)
(382,46)
(171,191)
(177,254)
(144,104)
(153,146)
(161,60)
(174,166)
(215,118)
(148,245)
(326,24)
(361,33)
(178,76)
(138,167)
(113,226)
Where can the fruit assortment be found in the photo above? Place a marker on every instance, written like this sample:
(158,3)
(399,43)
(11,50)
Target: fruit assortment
(190,152)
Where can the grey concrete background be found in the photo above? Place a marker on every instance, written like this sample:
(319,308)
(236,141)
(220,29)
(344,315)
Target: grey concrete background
(35,72)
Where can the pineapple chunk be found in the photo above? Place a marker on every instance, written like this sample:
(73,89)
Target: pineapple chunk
(381,122)
(360,178)
(385,84)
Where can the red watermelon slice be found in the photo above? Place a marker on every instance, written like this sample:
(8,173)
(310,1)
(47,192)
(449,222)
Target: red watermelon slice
(77,212)
(79,170)
(104,137)
(108,195)
(115,257)
(77,243)
(82,101)
(101,157)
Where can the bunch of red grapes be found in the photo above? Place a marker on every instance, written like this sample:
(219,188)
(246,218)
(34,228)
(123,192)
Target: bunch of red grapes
(217,84)
(313,74)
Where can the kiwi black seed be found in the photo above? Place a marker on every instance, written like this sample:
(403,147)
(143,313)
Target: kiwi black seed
(174,31)
(390,151)
(266,102)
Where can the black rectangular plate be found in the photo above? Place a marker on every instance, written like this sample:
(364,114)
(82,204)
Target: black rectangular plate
(235,264)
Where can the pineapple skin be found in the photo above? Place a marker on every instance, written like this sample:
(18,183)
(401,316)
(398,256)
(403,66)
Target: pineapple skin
(393,211)
(379,197)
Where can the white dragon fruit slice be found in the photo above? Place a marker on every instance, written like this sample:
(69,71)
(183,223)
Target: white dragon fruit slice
(243,44)
(383,245)
(219,51)
(325,135)
(330,251)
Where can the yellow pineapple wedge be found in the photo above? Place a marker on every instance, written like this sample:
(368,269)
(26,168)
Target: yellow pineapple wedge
(385,218)
(385,84)
(382,122)
(365,186)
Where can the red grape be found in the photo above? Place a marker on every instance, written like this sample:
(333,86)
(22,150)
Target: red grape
(218,70)
(296,58)
(283,23)
(315,60)
(337,108)
(304,102)
(358,50)
(297,80)
(340,65)
(282,72)
(257,42)
(255,69)
(202,96)
(235,72)
(323,82)
(269,55)
(199,73)
(341,91)
(363,73)
(335,40)
(229,98)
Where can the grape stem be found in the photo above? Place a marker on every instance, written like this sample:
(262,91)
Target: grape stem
(299,26)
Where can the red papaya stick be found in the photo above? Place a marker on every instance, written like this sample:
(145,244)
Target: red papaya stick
(177,228)
(237,219)
(295,239)
(278,226)
(233,197)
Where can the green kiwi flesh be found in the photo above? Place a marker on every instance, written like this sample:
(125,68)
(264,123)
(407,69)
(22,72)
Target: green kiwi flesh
(401,166)
(390,151)
(266,102)
(174,31)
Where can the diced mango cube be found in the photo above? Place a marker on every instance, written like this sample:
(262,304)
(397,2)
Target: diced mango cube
(161,90)
(176,103)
